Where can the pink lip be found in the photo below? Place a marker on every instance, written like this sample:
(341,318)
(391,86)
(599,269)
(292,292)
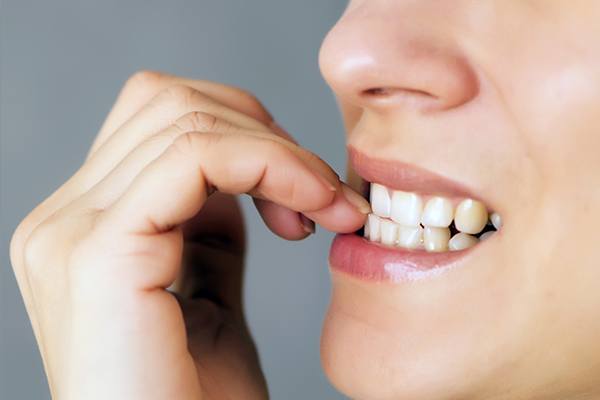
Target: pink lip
(368,261)
(402,176)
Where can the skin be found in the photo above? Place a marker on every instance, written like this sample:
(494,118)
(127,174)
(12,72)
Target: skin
(500,95)
(151,208)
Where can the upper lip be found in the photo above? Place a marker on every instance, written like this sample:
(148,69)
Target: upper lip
(398,175)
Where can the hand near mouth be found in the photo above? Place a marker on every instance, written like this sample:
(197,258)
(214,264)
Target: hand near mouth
(152,208)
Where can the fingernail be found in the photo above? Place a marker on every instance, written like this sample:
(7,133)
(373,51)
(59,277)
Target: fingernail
(308,225)
(356,199)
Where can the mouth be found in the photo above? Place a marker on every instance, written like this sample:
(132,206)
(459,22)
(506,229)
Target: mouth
(421,224)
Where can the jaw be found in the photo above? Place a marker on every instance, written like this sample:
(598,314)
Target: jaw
(513,322)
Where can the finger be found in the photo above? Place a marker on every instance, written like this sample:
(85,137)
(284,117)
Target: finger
(145,85)
(169,105)
(341,215)
(174,187)
(117,181)
(284,222)
(162,111)
(114,184)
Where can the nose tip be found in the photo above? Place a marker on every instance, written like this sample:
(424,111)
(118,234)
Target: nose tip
(378,63)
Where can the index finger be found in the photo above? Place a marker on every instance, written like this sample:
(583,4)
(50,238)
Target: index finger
(143,86)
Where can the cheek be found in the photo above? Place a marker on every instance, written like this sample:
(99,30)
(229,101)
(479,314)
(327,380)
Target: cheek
(560,115)
(553,98)
(557,108)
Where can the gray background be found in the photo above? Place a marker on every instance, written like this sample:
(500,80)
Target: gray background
(61,66)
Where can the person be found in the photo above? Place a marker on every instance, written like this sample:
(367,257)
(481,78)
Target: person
(472,127)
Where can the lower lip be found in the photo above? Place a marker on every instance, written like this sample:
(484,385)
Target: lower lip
(369,261)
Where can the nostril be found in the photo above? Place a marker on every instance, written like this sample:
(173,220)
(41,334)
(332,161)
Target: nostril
(391,91)
(376,92)
(392,95)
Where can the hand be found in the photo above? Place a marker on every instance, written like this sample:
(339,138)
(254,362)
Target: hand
(152,208)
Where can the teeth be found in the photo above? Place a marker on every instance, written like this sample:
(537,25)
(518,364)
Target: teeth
(402,219)
(436,239)
(389,232)
(374,223)
(406,208)
(410,237)
(496,220)
(462,241)
(380,200)
(438,213)
(471,216)
(486,235)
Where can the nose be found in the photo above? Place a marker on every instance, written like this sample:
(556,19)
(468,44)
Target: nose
(383,55)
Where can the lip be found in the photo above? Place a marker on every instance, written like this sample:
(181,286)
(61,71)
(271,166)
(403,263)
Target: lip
(369,261)
(398,175)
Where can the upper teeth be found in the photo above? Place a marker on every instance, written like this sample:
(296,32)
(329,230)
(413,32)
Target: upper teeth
(380,200)
(438,213)
(471,216)
(406,208)
(397,218)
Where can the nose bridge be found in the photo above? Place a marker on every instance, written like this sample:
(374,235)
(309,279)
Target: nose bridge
(381,54)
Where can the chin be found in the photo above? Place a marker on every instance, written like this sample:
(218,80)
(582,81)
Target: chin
(405,343)
(371,350)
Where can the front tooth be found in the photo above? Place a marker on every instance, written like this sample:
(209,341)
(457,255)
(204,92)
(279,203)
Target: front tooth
(438,213)
(496,220)
(410,237)
(406,208)
(471,216)
(374,224)
(389,232)
(462,241)
(366,229)
(380,200)
(436,239)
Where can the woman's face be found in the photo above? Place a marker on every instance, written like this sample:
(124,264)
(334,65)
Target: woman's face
(497,100)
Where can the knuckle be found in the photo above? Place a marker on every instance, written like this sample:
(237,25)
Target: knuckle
(194,143)
(49,245)
(38,248)
(17,244)
(249,97)
(180,96)
(185,143)
(144,79)
(251,102)
(197,121)
(22,234)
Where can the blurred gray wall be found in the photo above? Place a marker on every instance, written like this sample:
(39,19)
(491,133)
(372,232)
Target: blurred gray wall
(62,64)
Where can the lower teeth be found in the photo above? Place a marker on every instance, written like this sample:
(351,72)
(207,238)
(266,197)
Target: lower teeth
(431,239)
